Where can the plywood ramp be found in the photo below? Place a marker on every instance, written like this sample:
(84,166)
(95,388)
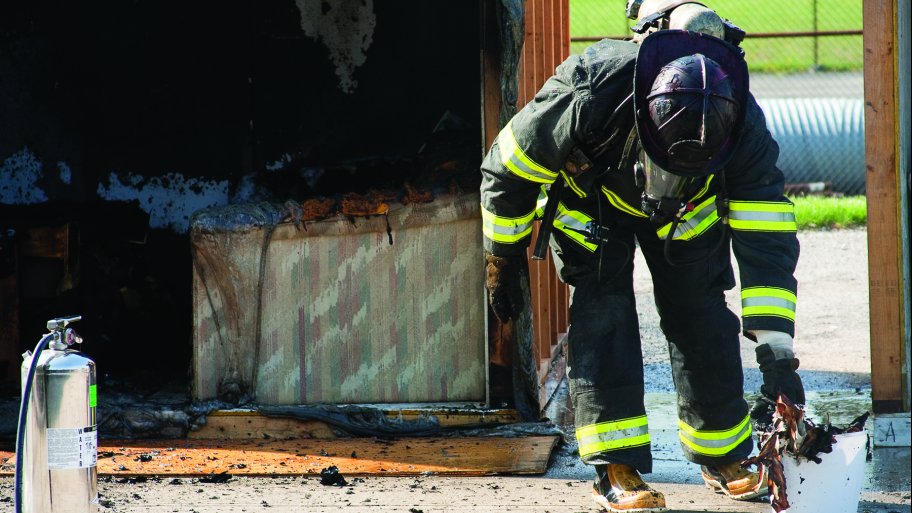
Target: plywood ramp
(250,424)
(352,456)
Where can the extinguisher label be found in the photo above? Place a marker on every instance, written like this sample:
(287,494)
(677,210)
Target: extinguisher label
(72,448)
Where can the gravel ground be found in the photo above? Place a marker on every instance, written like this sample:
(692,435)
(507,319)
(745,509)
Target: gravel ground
(832,337)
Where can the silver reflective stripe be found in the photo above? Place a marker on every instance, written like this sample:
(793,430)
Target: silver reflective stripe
(571,222)
(773,301)
(714,443)
(694,223)
(610,438)
(764,216)
(565,218)
(770,217)
(698,224)
(768,301)
(505,230)
(515,159)
(612,435)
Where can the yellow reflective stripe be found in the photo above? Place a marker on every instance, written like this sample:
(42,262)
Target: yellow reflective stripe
(568,221)
(516,160)
(763,206)
(772,301)
(714,443)
(505,230)
(608,436)
(620,204)
(573,186)
(693,223)
(705,188)
(763,216)
(541,202)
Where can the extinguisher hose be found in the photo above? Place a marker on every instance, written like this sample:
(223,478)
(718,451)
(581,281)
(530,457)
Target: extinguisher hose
(23,412)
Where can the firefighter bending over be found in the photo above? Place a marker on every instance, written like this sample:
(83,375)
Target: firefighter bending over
(656,144)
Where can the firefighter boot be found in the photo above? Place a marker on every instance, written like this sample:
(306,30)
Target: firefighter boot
(619,488)
(738,483)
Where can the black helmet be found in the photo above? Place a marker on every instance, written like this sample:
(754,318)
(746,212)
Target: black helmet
(690,93)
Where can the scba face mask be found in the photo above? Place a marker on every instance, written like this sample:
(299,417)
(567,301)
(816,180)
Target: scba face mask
(664,193)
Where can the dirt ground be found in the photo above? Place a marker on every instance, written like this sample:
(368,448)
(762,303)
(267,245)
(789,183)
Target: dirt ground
(832,341)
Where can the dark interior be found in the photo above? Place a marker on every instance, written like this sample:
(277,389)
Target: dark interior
(216,90)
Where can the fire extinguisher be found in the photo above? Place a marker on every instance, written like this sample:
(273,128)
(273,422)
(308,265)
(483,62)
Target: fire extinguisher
(57,438)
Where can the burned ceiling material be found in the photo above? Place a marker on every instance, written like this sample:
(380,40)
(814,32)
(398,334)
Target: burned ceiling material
(346,28)
(445,163)
(189,110)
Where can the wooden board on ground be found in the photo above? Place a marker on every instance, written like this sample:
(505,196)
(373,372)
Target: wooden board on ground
(352,456)
(249,424)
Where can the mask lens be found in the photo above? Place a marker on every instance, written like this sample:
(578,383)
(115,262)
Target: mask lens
(660,184)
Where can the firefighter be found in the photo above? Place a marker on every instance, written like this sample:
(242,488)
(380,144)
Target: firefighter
(655,144)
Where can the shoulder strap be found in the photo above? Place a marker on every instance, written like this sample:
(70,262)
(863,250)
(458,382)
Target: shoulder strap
(722,198)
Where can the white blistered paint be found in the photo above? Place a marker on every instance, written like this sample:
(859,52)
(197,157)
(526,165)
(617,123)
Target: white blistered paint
(19,177)
(169,200)
(346,29)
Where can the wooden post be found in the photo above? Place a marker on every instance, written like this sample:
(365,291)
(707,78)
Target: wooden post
(490,76)
(884,238)
(546,43)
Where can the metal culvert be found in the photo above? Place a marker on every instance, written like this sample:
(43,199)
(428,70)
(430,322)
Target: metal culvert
(820,140)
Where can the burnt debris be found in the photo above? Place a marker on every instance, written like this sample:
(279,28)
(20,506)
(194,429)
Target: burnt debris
(794,435)
(330,476)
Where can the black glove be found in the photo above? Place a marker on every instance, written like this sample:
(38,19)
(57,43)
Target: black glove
(779,377)
(503,278)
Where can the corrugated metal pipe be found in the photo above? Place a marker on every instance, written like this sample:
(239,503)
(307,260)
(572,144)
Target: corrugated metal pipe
(820,140)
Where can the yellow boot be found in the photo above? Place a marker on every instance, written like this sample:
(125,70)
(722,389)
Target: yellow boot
(738,483)
(619,488)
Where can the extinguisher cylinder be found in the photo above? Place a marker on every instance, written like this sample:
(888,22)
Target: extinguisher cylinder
(61,437)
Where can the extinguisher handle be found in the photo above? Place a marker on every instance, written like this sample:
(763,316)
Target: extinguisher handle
(60,323)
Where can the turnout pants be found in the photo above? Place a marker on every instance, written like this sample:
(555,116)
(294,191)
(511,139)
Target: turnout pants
(605,363)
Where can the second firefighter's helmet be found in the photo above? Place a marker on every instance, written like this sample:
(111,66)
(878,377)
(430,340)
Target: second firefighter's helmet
(674,14)
(690,94)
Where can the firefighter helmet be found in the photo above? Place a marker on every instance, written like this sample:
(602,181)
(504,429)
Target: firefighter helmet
(690,94)
(656,15)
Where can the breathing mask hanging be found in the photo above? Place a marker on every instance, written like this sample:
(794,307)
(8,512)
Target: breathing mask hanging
(664,197)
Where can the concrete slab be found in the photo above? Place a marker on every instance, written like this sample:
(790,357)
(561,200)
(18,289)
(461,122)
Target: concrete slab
(414,495)
(564,488)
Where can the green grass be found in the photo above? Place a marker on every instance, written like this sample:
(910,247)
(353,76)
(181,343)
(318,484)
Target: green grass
(820,212)
(779,55)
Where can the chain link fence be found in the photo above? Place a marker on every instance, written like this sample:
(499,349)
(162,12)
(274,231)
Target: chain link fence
(806,59)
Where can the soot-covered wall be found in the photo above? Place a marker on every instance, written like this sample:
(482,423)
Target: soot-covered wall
(166,107)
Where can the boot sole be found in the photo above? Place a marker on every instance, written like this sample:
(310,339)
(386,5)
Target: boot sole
(718,487)
(600,500)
